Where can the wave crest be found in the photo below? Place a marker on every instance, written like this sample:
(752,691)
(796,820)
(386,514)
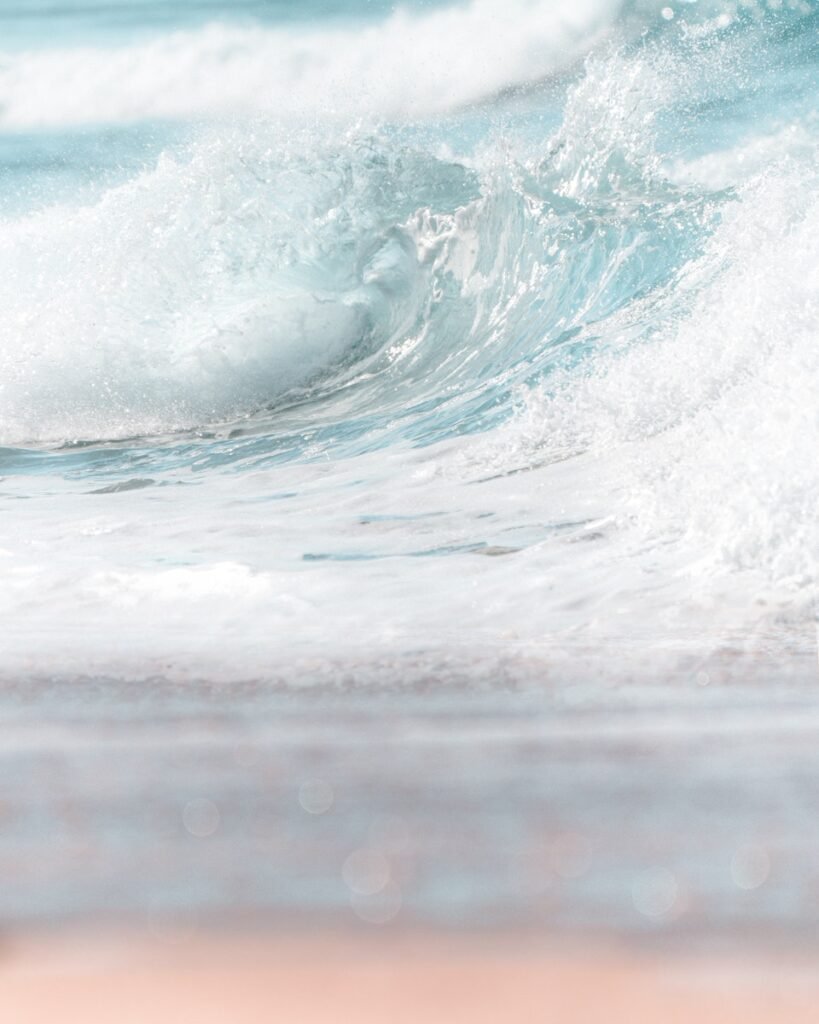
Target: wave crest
(408,65)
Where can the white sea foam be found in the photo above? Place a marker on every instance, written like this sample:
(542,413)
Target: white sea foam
(409,64)
(706,433)
(207,287)
(700,434)
(670,480)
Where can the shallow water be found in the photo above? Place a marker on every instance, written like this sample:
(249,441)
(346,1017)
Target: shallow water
(463,798)
(341,345)
(302,318)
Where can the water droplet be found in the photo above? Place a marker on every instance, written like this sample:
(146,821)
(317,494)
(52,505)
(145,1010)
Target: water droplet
(378,908)
(750,866)
(366,871)
(316,796)
(201,817)
(655,893)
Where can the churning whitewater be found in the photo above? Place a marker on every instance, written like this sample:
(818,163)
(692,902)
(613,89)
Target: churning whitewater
(392,336)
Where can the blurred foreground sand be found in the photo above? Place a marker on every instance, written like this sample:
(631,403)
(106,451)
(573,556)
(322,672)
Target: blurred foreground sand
(399,979)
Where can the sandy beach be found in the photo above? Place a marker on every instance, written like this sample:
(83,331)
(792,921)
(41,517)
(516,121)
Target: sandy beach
(408,489)
(404,979)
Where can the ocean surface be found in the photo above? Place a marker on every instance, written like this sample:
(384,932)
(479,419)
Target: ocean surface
(390,385)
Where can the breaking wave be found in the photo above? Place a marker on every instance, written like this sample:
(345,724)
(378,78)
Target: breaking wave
(588,344)
(412,63)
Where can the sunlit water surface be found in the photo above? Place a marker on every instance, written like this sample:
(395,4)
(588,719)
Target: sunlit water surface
(417,406)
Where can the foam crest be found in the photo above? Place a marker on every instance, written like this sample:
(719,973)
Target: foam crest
(709,426)
(409,64)
(267,262)
(353,301)
(212,285)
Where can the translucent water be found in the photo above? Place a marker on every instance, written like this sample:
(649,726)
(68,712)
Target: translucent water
(384,389)
(305,317)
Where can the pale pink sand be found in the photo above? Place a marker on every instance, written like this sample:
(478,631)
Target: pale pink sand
(334,978)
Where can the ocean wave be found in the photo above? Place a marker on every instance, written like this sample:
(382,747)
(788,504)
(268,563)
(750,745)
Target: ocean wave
(263,268)
(361,357)
(212,285)
(410,64)
(705,430)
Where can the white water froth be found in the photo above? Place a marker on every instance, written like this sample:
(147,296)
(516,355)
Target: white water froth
(412,64)
(707,433)
(679,472)
(206,288)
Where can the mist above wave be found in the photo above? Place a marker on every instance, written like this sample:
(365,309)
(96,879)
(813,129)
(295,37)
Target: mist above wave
(262,265)
(706,427)
(628,336)
(211,285)
(412,63)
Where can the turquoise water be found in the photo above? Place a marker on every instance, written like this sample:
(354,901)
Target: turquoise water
(305,310)
(418,406)
(36,23)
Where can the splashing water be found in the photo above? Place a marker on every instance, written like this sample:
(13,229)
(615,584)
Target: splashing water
(303,321)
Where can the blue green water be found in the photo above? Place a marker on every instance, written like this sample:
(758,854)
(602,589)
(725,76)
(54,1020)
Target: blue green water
(348,347)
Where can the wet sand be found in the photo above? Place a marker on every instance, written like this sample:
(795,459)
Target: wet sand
(405,979)
(567,853)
